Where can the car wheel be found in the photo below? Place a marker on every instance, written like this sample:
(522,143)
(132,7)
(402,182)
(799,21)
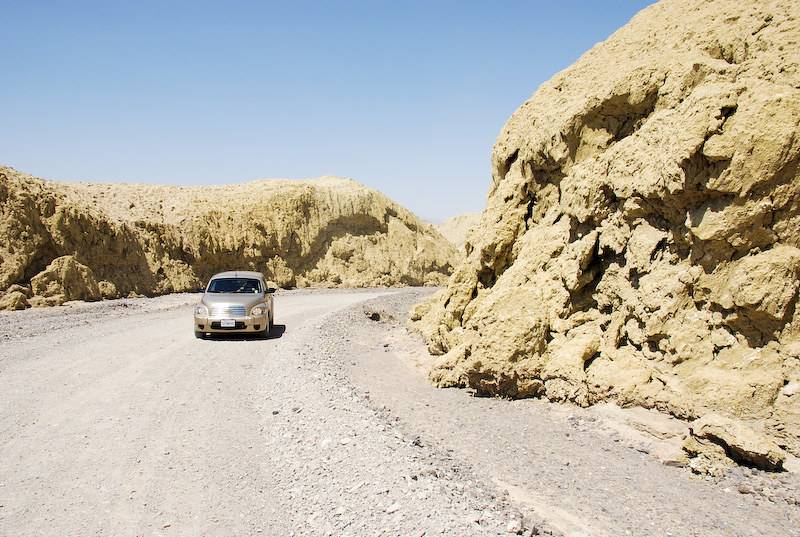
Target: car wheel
(200,335)
(267,329)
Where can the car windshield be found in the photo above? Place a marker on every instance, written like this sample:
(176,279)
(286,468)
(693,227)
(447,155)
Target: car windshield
(234,285)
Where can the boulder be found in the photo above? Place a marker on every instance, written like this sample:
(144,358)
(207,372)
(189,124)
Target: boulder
(107,289)
(66,279)
(24,289)
(14,300)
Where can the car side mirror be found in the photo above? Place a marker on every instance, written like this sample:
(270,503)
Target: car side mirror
(201,289)
(271,290)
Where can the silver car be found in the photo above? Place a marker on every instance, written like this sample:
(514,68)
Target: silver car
(238,302)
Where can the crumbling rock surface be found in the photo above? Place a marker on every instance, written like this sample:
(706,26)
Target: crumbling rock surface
(86,241)
(641,240)
(714,442)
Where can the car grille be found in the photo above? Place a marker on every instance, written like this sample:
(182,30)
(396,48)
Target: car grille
(227,310)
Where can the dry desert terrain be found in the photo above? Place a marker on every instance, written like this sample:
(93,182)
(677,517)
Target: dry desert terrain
(612,347)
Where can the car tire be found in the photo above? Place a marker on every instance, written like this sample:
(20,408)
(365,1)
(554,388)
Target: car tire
(200,335)
(267,329)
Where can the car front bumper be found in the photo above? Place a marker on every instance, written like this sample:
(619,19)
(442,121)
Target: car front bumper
(243,325)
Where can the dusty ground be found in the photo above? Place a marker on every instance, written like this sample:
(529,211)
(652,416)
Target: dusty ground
(115,420)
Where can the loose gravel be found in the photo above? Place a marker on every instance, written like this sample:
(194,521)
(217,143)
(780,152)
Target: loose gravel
(579,471)
(117,421)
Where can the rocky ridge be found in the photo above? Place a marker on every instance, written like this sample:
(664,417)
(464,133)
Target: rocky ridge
(641,240)
(67,241)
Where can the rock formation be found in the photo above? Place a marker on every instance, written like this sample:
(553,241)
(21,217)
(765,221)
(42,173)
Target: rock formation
(84,241)
(455,229)
(65,279)
(641,240)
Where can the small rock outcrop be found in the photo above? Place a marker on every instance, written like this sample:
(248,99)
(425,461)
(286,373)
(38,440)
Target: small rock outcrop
(641,240)
(86,241)
(65,279)
(715,442)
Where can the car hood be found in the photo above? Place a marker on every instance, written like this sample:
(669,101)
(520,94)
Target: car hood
(247,300)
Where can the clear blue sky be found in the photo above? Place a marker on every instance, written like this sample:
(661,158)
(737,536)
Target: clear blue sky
(405,97)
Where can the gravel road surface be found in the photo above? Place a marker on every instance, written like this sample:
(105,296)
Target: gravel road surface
(116,421)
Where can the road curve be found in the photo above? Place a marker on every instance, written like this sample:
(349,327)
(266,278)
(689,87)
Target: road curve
(131,426)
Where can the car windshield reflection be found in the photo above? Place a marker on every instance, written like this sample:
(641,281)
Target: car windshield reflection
(234,285)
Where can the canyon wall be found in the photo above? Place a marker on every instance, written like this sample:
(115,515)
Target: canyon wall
(641,240)
(65,241)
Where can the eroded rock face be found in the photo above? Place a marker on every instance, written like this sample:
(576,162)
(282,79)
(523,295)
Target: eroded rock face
(642,233)
(86,241)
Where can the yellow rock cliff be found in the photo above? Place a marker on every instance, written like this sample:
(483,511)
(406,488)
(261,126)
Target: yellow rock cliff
(65,241)
(641,240)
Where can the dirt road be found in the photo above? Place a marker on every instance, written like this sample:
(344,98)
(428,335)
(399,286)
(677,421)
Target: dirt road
(125,424)
(116,421)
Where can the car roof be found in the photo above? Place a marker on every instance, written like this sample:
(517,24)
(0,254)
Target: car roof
(238,274)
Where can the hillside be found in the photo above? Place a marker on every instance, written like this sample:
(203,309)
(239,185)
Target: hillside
(64,241)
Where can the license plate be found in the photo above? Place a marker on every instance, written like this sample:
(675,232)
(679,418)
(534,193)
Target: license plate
(227,323)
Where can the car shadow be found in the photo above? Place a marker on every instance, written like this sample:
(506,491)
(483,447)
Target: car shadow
(276,333)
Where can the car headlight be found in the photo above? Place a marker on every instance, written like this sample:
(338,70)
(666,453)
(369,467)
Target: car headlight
(258,311)
(201,310)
